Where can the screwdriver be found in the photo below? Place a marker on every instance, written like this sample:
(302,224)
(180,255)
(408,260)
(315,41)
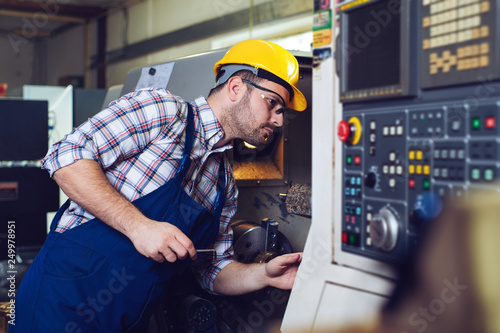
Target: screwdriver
(206,251)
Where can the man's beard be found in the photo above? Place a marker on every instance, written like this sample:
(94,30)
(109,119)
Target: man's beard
(244,122)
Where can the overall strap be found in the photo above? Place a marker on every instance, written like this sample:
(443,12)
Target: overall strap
(221,191)
(188,145)
(186,162)
(57,217)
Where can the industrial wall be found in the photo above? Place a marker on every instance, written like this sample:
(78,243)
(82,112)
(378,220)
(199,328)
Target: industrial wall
(170,22)
(168,29)
(14,55)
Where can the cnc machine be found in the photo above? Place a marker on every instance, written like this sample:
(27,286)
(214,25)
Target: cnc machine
(411,95)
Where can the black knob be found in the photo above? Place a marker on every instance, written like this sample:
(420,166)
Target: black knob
(370,179)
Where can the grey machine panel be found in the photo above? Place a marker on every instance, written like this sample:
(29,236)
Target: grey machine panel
(112,94)
(191,77)
(86,103)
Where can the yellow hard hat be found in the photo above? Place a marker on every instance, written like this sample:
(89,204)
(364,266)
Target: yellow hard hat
(267,60)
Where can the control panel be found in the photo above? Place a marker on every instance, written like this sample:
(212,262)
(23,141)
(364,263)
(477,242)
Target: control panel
(404,157)
(400,163)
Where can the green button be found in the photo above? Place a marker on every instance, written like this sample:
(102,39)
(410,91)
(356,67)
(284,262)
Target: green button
(476,174)
(348,159)
(488,174)
(426,184)
(476,123)
(352,239)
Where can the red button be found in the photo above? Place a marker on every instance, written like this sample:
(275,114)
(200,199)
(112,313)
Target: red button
(411,183)
(344,237)
(490,122)
(357,160)
(343,131)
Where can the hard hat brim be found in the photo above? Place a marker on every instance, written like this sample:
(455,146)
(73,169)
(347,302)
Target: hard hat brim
(298,102)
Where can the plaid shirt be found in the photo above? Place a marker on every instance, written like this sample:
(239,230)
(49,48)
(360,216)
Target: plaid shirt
(138,141)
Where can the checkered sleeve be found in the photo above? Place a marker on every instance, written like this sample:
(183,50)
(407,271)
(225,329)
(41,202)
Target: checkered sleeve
(118,132)
(207,270)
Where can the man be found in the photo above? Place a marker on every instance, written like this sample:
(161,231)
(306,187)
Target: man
(149,184)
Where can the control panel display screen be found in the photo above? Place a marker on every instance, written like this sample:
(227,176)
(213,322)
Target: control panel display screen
(376,64)
(374,50)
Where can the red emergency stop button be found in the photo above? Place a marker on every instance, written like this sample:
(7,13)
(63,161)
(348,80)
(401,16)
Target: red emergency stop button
(343,131)
(344,237)
(490,122)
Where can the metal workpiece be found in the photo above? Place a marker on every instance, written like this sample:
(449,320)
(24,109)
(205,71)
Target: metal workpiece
(258,243)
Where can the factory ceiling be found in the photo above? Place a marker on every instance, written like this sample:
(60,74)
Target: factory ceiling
(45,18)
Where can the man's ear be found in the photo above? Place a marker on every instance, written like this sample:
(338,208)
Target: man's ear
(235,88)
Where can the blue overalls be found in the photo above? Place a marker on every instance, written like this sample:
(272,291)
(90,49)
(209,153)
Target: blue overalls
(92,279)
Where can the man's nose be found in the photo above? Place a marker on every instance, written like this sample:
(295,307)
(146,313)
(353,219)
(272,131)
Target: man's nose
(277,119)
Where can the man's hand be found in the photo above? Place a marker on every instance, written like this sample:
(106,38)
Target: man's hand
(162,241)
(238,278)
(281,271)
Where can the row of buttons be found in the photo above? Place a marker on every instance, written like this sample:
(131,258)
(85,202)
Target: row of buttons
(449,173)
(415,155)
(435,19)
(426,184)
(430,131)
(460,37)
(350,159)
(373,137)
(353,210)
(419,169)
(489,123)
(393,130)
(351,219)
(392,169)
(350,238)
(478,150)
(473,50)
(477,174)
(427,116)
(471,22)
(353,181)
(475,62)
(388,91)
(449,154)
(352,192)
(368,220)
(488,174)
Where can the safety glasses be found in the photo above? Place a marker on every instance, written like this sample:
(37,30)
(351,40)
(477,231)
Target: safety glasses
(273,104)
